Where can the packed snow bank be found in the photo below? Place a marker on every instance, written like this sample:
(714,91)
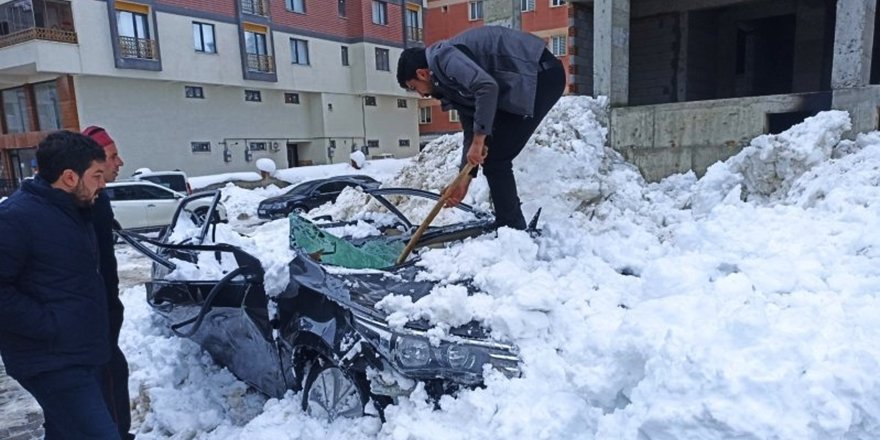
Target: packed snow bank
(751,315)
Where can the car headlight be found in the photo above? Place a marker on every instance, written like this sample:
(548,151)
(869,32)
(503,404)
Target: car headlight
(462,360)
(413,352)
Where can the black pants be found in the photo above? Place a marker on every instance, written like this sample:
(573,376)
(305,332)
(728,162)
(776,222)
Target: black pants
(72,404)
(509,136)
(114,387)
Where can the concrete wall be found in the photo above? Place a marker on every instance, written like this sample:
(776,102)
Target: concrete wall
(671,138)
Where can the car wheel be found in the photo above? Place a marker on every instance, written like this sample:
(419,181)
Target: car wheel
(299,210)
(329,392)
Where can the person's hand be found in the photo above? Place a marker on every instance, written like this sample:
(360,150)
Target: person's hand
(457,192)
(477,153)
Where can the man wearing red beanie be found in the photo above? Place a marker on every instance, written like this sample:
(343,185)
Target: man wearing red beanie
(114,377)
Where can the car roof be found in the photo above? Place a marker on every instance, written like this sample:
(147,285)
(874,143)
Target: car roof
(130,182)
(160,173)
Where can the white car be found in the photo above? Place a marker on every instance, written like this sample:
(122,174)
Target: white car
(142,206)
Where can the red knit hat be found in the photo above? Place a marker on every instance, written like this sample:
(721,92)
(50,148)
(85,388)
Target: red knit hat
(98,134)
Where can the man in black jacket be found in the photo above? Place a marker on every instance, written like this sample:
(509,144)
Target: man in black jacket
(114,377)
(502,82)
(53,308)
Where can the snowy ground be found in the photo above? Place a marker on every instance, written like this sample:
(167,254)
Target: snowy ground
(740,305)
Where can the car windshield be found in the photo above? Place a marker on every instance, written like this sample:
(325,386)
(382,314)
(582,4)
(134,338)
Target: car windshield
(300,187)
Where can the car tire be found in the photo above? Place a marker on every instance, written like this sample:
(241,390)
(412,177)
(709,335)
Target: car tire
(331,392)
(298,210)
(198,216)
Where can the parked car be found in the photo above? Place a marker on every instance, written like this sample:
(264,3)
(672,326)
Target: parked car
(175,180)
(323,335)
(145,206)
(307,195)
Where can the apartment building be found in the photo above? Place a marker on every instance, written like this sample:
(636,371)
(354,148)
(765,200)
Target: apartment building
(552,20)
(208,86)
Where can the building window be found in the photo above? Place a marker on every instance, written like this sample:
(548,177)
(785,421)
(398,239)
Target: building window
(382,60)
(195,92)
(134,32)
(258,58)
(203,37)
(48,108)
(298,6)
(15,110)
(370,101)
(453,115)
(340,8)
(257,146)
(403,142)
(200,147)
(401,103)
(344,55)
(255,7)
(291,98)
(558,44)
(413,23)
(373,143)
(380,12)
(475,10)
(299,51)
(554,3)
(527,5)
(253,96)
(424,115)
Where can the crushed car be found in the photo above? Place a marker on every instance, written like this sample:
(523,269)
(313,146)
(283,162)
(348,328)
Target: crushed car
(323,334)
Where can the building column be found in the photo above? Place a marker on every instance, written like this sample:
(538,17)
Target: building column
(853,41)
(611,50)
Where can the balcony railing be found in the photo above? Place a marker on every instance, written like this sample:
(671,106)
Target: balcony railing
(260,63)
(414,34)
(255,7)
(131,47)
(36,33)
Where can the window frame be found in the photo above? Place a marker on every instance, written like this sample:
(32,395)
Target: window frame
(291,98)
(563,39)
(527,6)
(198,92)
(381,8)
(383,59)
(401,103)
(425,115)
(295,48)
(342,9)
(343,53)
(55,103)
(370,98)
(251,95)
(201,29)
(475,10)
(290,5)
(557,3)
(454,116)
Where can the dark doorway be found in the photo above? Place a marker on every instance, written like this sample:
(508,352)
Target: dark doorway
(292,155)
(765,56)
(875,51)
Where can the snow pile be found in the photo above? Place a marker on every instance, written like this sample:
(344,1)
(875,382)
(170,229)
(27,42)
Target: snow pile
(739,305)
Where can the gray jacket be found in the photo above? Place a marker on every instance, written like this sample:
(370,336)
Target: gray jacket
(500,72)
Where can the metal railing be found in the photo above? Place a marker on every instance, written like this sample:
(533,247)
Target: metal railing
(255,7)
(36,33)
(260,63)
(131,47)
(415,34)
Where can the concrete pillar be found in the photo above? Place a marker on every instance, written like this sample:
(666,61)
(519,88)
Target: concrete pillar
(853,42)
(506,13)
(611,50)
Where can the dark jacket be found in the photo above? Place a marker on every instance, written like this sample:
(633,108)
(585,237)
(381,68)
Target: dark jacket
(53,308)
(487,69)
(104,220)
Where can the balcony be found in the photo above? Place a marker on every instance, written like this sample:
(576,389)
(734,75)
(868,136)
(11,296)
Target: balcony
(26,20)
(255,7)
(260,63)
(140,48)
(415,34)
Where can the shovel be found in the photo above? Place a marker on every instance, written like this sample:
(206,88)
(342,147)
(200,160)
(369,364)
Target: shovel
(436,210)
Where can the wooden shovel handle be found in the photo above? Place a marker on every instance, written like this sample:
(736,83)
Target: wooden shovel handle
(436,210)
